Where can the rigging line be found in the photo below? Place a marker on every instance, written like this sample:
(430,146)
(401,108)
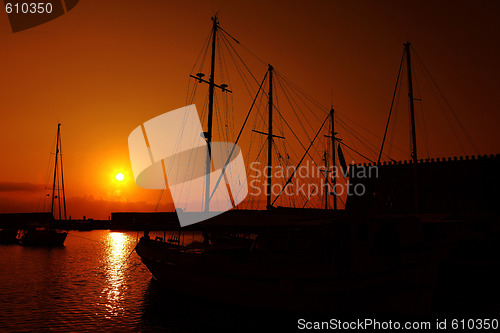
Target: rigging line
(291,130)
(365,142)
(289,127)
(340,115)
(204,109)
(281,161)
(305,203)
(297,93)
(406,153)
(367,146)
(392,104)
(244,79)
(225,96)
(47,177)
(340,198)
(302,100)
(276,101)
(243,46)
(305,154)
(195,90)
(293,109)
(92,240)
(257,158)
(421,114)
(190,99)
(322,172)
(158,201)
(123,263)
(278,156)
(256,124)
(204,47)
(448,121)
(343,144)
(243,76)
(446,102)
(309,97)
(292,152)
(235,57)
(235,52)
(62,175)
(237,138)
(188,89)
(223,66)
(255,139)
(263,120)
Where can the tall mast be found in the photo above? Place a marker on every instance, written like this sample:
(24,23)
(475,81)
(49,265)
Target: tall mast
(334,180)
(211,86)
(55,172)
(325,158)
(412,107)
(413,131)
(211,90)
(270,139)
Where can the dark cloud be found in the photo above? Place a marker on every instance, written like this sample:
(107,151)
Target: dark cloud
(17,186)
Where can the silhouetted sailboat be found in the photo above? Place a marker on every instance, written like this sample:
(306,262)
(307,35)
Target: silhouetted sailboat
(47,234)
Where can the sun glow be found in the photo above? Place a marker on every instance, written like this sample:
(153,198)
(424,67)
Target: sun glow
(120,177)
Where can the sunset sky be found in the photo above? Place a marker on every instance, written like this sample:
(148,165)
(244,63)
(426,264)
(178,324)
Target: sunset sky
(109,65)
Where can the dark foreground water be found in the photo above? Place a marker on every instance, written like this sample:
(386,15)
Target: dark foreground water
(97,283)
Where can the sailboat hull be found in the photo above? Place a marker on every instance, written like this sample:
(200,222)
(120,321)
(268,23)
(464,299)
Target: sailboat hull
(45,237)
(237,278)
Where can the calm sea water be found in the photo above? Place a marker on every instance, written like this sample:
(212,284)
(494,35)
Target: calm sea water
(97,283)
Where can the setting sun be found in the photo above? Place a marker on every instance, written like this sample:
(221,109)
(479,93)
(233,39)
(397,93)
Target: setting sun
(120,177)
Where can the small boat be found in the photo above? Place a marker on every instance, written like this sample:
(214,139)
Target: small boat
(48,233)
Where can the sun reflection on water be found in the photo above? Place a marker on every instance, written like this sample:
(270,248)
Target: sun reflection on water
(118,249)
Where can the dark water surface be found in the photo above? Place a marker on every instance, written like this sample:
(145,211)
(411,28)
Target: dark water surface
(96,283)
(87,285)
(92,284)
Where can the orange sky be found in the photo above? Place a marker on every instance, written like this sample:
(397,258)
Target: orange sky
(108,66)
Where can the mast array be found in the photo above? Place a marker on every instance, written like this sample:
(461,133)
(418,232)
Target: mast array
(216,36)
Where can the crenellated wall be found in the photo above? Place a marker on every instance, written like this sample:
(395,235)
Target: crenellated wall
(464,184)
